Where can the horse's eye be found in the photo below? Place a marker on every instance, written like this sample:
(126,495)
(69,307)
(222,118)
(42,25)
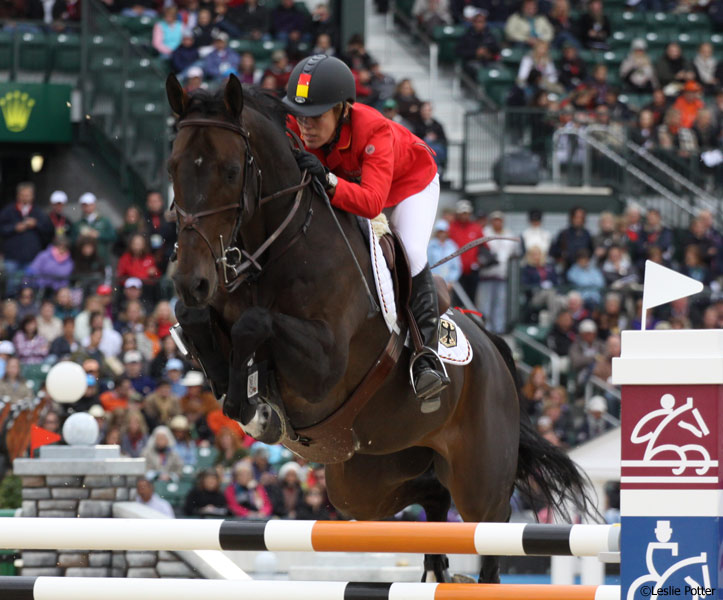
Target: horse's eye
(232,174)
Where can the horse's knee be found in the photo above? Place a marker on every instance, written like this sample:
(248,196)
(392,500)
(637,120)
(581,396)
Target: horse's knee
(252,328)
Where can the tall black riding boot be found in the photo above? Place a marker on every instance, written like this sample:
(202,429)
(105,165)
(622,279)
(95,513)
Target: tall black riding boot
(427,371)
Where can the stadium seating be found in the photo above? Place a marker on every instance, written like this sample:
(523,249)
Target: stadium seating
(31,56)
(447,38)
(35,375)
(496,82)
(7,53)
(64,58)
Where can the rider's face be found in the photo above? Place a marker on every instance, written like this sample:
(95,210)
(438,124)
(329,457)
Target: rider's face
(317,131)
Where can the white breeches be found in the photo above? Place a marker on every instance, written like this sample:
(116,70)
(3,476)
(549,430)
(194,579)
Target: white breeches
(413,219)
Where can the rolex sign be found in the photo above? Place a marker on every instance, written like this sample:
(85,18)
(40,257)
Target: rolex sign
(34,112)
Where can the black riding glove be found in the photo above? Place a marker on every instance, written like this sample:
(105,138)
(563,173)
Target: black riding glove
(307,161)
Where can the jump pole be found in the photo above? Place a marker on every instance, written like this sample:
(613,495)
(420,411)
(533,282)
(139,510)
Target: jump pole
(510,539)
(79,588)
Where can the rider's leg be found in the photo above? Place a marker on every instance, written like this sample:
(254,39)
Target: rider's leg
(413,219)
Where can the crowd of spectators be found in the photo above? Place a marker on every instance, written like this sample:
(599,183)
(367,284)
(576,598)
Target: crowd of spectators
(259,42)
(88,292)
(198,43)
(581,288)
(667,99)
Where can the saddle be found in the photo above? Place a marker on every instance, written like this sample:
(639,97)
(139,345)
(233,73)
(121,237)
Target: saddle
(339,426)
(398,264)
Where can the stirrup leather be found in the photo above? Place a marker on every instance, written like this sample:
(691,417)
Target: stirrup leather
(427,351)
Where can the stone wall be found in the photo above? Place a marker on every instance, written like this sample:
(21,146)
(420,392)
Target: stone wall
(81,483)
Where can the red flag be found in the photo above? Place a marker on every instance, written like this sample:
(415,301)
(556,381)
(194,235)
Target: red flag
(41,437)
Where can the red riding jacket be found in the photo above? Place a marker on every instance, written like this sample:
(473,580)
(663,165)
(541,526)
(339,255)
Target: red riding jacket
(378,162)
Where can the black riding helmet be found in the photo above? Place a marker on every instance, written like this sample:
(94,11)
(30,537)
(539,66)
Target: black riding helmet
(317,84)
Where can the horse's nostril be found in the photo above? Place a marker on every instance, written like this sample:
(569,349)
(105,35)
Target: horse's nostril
(201,288)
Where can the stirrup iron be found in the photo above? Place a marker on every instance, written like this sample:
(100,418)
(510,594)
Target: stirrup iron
(430,403)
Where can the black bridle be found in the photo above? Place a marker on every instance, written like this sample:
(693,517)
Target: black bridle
(233,260)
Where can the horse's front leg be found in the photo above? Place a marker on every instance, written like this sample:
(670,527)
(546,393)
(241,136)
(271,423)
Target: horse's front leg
(198,326)
(302,347)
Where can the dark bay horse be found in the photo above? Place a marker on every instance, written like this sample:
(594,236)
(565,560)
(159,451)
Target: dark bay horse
(302,310)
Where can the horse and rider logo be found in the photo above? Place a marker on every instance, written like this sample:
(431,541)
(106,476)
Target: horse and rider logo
(669,442)
(16,107)
(447,333)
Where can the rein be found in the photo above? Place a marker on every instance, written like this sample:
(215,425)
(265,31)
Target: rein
(233,260)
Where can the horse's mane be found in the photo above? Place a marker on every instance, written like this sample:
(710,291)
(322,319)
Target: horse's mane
(210,104)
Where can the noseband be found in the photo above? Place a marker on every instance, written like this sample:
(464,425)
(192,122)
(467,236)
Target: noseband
(233,260)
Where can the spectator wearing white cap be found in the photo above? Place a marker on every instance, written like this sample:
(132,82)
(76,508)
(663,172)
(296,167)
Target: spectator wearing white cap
(221,61)
(162,461)
(492,291)
(142,383)
(132,292)
(596,420)
(94,226)
(197,403)
(462,231)
(432,13)
(7,349)
(287,496)
(174,373)
(185,445)
(98,413)
(586,349)
(194,79)
(440,246)
(62,224)
(185,55)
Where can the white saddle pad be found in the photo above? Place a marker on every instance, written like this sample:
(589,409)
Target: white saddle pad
(454,347)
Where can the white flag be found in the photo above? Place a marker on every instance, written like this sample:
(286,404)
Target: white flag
(665,285)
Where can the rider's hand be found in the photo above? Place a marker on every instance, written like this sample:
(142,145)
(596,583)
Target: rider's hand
(307,161)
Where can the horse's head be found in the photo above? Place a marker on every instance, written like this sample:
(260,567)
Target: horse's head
(209,168)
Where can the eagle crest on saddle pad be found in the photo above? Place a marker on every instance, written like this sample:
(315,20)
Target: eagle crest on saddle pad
(447,333)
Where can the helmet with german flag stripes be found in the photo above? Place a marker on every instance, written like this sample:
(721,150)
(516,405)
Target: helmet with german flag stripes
(317,84)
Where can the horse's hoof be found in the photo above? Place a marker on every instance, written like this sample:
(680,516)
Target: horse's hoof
(265,426)
(459,578)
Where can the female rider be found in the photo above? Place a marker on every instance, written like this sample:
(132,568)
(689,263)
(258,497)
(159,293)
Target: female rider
(368,163)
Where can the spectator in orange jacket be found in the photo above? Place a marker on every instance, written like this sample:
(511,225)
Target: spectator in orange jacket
(689,103)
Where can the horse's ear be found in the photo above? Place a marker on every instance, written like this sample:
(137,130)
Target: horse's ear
(233,97)
(177,97)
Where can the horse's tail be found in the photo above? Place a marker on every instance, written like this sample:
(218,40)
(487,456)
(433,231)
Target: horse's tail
(546,476)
